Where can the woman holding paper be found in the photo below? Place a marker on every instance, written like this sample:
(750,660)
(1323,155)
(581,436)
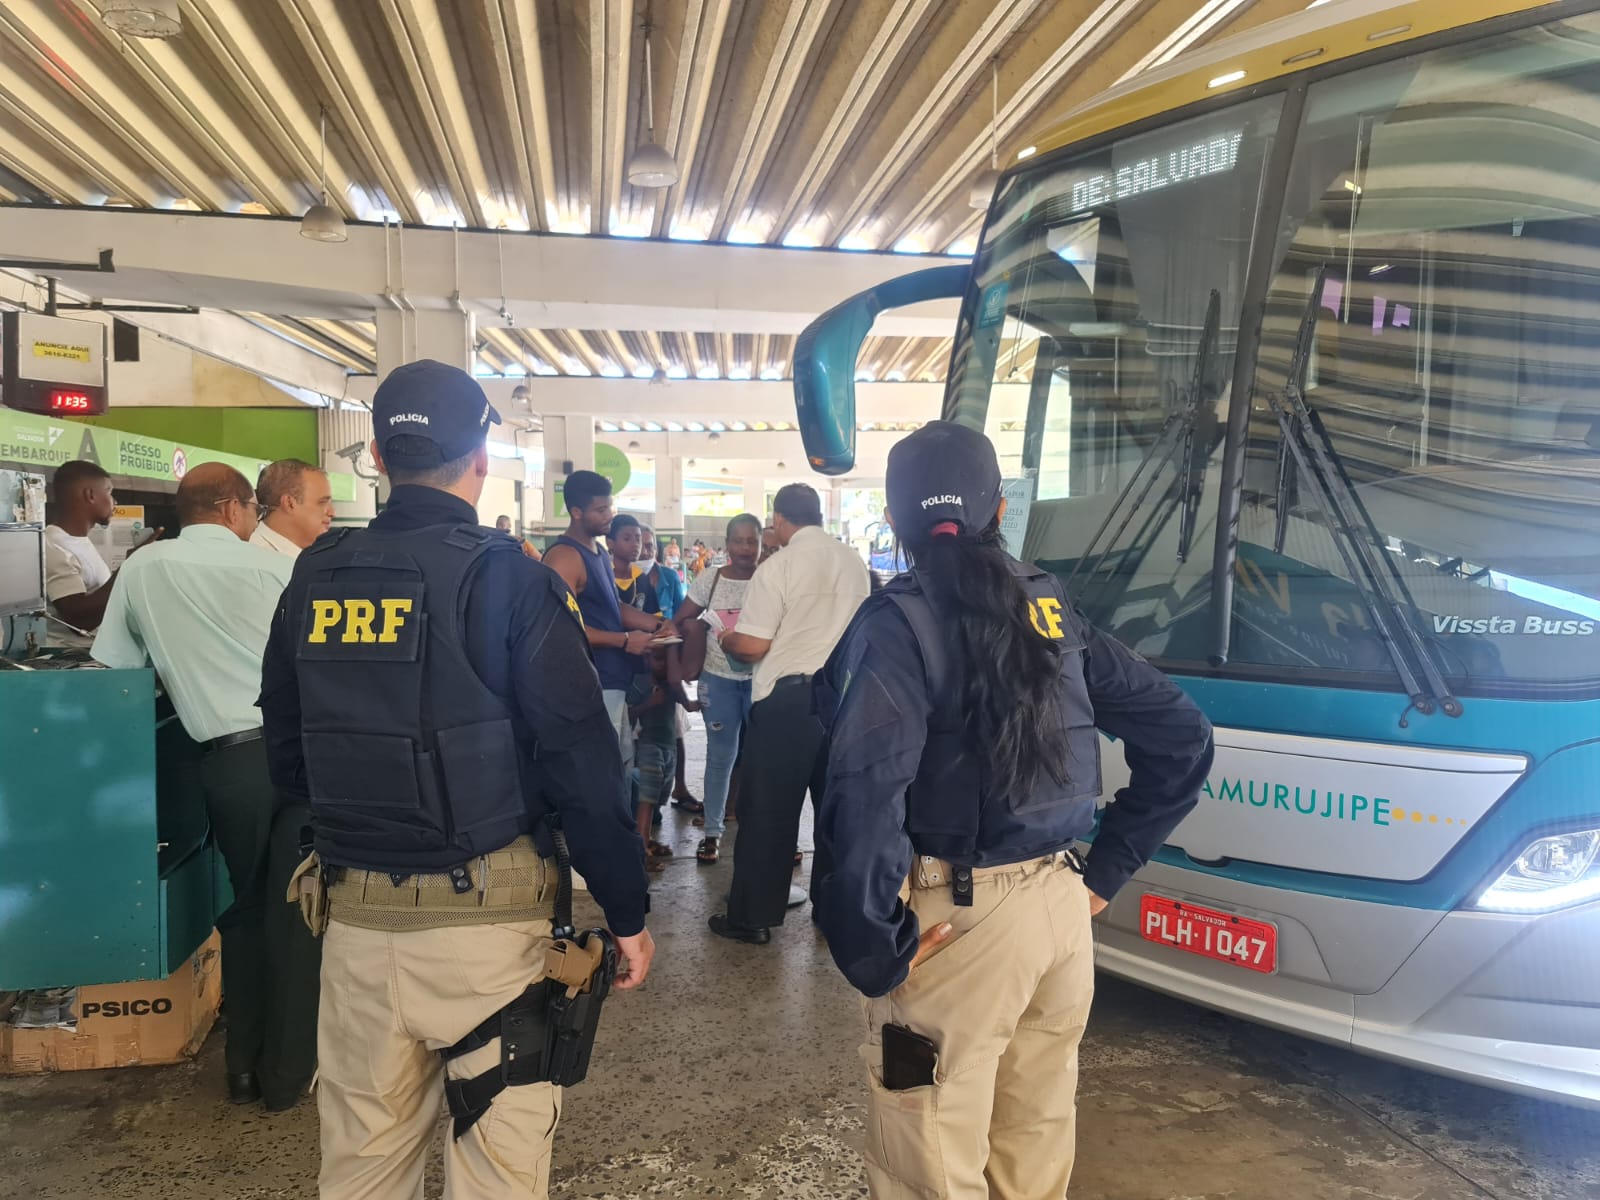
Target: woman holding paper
(716,599)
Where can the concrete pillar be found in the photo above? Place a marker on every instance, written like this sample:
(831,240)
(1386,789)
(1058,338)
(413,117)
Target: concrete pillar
(669,495)
(755,497)
(833,509)
(567,440)
(442,334)
(403,337)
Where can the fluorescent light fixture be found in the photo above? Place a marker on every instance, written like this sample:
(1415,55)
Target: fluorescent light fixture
(1551,872)
(910,245)
(1379,270)
(610,370)
(1027,152)
(708,373)
(1225,79)
(1350,185)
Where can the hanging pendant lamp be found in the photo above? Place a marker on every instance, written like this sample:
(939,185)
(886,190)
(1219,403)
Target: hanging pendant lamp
(983,186)
(650,166)
(322,222)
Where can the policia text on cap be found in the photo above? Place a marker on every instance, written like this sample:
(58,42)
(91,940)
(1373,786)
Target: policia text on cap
(429,688)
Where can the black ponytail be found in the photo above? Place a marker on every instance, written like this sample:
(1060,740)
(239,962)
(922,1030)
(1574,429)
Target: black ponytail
(1012,681)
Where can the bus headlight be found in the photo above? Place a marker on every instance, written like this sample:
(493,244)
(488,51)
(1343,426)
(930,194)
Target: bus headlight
(1552,872)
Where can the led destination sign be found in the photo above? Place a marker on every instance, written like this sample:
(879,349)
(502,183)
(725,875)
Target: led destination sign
(1213,156)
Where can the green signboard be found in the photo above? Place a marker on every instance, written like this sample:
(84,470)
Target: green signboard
(608,461)
(47,442)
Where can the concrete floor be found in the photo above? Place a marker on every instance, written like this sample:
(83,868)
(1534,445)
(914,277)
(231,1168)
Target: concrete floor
(734,1074)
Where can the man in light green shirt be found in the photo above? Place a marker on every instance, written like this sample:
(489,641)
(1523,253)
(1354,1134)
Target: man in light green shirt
(198,609)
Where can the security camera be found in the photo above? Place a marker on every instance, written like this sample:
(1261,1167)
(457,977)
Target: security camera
(352,451)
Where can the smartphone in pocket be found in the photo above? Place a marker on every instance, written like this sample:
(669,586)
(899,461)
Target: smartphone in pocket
(909,1059)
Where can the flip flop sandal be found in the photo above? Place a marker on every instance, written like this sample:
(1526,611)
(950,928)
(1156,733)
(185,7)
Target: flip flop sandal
(691,805)
(657,850)
(707,853)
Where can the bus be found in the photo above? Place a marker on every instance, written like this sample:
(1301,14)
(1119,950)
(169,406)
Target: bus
(1291,352)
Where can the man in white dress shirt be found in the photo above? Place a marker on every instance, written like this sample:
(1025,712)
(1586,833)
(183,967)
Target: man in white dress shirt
(296,502)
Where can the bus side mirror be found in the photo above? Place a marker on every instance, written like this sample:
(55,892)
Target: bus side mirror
(825,361)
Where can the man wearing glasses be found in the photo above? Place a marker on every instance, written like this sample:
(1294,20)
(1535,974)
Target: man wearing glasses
(198,608)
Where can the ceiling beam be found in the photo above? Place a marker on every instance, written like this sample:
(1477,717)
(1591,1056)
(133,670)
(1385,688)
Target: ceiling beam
(803,23)
(552,282)
(610,56)
(705,23)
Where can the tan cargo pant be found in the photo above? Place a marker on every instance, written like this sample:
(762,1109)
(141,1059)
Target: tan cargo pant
(390,1003)
(1005,1001)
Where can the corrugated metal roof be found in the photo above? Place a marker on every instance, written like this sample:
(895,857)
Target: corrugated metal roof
(853,123)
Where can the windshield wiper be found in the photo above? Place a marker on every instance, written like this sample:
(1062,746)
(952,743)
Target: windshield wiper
(1306,441)
(1176,432)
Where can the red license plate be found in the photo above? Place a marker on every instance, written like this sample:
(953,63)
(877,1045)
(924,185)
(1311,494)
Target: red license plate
(1209,933)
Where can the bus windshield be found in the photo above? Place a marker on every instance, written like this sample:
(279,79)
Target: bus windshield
(1446,201)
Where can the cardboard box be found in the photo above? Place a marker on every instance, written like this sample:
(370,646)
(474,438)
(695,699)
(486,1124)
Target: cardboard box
(126,1024)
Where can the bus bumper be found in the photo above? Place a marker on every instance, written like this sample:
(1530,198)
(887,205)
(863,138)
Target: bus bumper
(1508,1001)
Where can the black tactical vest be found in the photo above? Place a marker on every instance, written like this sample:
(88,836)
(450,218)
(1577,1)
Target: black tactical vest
(951,810)
(411,760)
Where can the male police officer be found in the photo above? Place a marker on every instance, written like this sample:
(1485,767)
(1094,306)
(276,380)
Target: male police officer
(430,688)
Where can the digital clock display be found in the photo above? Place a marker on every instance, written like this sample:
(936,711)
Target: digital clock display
(71,402)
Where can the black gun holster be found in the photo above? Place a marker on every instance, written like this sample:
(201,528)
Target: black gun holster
(547,1033)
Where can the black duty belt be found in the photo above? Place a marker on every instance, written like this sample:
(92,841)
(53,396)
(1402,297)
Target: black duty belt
(792,681)
(231,739)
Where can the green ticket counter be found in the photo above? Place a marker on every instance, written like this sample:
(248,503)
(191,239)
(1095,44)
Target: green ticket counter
(107,872)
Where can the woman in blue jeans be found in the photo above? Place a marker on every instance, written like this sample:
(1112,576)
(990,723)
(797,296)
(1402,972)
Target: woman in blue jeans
(724,683)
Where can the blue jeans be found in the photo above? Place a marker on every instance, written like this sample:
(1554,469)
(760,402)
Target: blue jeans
(617,710)
(725,703)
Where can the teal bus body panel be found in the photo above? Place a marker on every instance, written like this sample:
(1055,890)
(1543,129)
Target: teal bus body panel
(1561,788)
(83,897)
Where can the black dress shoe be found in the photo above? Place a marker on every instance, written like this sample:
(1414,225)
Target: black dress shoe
(722,927)
(244,1088)
(281,1105)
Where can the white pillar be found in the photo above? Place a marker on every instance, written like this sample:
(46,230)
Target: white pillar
(442,334)
(669,495)
(755,496)
(832,510)
(403,337)
(568,446)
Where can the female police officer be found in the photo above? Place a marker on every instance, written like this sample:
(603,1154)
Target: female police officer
(961,706)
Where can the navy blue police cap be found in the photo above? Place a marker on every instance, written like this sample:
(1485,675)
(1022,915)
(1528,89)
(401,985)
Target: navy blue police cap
(433,401)
(943,474)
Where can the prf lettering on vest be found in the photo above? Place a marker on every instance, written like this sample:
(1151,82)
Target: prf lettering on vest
(357,617)
(1047,617)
